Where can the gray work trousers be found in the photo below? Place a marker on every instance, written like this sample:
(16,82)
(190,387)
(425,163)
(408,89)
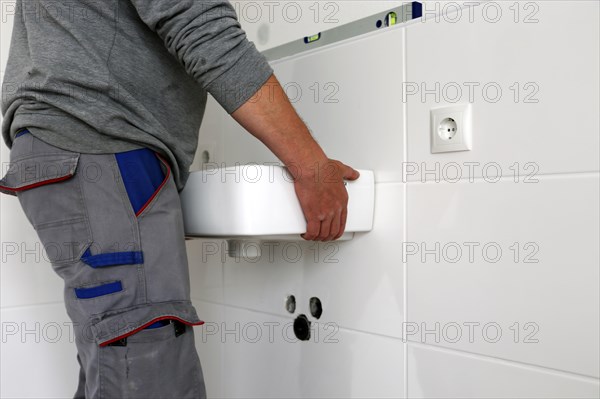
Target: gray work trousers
(124,266)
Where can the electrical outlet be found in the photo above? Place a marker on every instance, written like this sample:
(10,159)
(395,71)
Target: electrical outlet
(451,129)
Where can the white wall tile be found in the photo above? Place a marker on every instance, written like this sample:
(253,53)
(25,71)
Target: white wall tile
(334,363)
(38,353)
(359,282)
(558,56)
(205,260)
(438,9)
(210,350)
(554,222)
(37,342)
(439,373)
(356,120)
(270,24)
(363,291)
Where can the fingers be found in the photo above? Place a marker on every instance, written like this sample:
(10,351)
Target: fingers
(313,228)
(343,217)
(346,171)
(322,230)
(325,205)
(350,174)
(325,229)
(335,226)
(328,229)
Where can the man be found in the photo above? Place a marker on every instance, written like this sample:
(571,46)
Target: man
(102,103)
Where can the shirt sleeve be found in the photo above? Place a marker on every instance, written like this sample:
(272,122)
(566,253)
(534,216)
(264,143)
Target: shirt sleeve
(208,40)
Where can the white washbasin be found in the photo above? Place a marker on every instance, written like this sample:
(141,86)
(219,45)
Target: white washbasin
(259,201)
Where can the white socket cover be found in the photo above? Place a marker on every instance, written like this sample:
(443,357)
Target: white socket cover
(451,129)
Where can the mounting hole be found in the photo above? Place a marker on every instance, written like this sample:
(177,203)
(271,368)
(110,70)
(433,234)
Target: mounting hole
(302,328)
(315,307)
(290,304)
(378,23)
(447,129)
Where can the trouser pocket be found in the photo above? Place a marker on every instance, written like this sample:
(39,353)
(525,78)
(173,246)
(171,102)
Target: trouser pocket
(154,200)
(45,180)
(154,363)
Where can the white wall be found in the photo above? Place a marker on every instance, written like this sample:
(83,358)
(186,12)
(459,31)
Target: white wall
(36,343)
(555,214)
(544,302)
(37,346)
(269,24)
(369,294)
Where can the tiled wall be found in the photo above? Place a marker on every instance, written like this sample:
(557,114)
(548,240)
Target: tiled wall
(376,290)
(541,291)
(37,350)
(36,342)
(528,315)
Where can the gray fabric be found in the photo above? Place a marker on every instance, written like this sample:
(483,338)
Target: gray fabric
(114,75)
(90,209)
(154,364)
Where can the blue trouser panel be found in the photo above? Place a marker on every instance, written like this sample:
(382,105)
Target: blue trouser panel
(21,132)
(98,290)
(142,176)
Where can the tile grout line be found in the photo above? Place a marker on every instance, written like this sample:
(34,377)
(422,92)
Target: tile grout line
(31,305)
(452,351)
(404,213)
(503,179)
(503,361)
(222,353)
(553,175)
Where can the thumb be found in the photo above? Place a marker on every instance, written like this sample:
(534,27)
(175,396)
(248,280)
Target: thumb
(350,174)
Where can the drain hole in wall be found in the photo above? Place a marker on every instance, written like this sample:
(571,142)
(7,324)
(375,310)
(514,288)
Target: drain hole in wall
(290,304)
(302,328)
(315,307)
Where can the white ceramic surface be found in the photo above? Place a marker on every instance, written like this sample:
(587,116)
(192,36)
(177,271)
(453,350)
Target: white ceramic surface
(260,200)
(441,373)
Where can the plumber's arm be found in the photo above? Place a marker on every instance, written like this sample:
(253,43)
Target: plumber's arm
(319,181)
(206,37)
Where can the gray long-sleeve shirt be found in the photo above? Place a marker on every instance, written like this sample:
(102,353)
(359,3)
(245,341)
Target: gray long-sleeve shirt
(98,76)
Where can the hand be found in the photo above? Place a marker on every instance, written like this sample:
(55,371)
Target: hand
(270,117)
(324,199)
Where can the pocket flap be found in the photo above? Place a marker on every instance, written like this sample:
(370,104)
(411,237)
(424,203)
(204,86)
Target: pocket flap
(33,171)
